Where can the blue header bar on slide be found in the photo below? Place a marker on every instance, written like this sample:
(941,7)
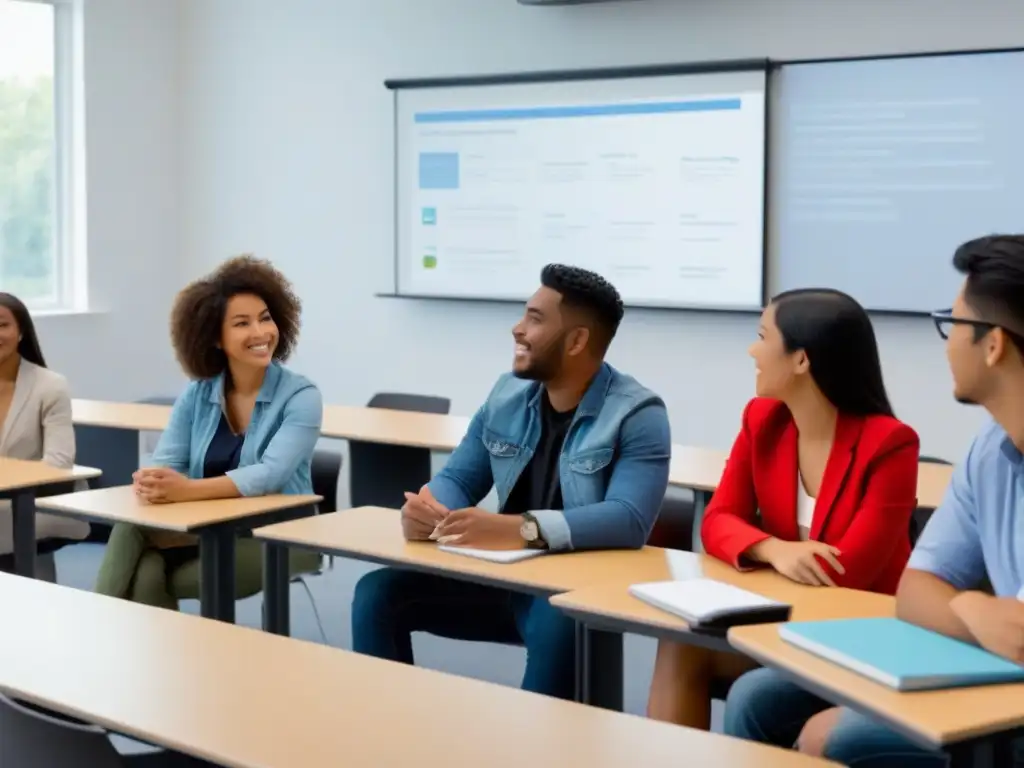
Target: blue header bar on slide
(589,110)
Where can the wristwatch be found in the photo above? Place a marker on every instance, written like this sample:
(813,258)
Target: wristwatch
(530,531)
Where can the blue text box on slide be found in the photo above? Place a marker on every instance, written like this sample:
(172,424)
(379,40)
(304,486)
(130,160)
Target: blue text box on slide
(439,170)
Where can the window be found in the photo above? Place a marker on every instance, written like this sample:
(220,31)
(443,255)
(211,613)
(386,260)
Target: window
(41,237)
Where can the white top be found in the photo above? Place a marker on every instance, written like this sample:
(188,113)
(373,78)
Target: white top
(804,508)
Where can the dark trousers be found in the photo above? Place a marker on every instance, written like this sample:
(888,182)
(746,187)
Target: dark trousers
(390,604)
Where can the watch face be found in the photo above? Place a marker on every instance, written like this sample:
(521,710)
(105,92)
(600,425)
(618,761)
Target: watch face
(529,531)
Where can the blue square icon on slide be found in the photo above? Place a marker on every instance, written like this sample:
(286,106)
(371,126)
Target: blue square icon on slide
(429,217)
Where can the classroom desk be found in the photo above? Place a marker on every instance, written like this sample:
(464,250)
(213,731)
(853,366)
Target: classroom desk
(956,720)
(374,535)
(134,416)
(220,693)
(216,523)
(610,607)
(696,468)
(606,611)
(19,481)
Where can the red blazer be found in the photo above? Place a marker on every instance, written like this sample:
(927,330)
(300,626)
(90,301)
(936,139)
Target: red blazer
(867,496)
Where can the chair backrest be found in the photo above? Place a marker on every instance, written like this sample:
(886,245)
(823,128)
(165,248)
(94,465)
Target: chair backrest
(30,738)
(922,515)
(674,527)
(326,471)
(380,474)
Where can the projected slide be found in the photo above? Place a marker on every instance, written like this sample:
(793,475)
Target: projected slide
(881,168)
(657,184)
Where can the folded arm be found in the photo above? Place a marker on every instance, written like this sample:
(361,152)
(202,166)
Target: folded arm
(636,489)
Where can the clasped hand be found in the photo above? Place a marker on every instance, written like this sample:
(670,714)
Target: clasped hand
(425,518)
(799,560)
(159,485)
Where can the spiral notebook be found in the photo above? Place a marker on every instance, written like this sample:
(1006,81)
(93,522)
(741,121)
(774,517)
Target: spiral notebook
(493,555)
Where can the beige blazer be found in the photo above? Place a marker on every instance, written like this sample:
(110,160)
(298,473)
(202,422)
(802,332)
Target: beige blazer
(38,427)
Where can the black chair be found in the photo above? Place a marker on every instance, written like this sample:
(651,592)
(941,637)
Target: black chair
(674,527)
(380,474)
(922,515)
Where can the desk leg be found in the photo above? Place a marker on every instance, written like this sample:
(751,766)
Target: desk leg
(276,592)
(701,499)
(966,755)
(217,574)
(599,668)
(23,506)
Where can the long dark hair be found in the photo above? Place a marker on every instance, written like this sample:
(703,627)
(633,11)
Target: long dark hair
(836,334)
(28,347)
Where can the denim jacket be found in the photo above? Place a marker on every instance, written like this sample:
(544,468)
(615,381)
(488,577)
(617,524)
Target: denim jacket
(613,467)
(278,449)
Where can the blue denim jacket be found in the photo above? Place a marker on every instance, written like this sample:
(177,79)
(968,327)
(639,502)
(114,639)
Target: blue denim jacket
(278,449)
(613,467)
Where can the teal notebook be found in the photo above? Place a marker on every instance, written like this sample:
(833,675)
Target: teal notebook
(900,655)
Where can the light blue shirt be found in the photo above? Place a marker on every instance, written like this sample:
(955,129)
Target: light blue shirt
(977,530)
(277,453)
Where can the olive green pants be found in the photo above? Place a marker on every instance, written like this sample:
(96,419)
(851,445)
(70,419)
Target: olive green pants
(135,570)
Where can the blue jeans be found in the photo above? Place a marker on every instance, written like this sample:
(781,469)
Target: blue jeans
(390,604)
(765,706)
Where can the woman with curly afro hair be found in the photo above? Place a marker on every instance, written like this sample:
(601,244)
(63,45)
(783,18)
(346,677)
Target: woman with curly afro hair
(245,426)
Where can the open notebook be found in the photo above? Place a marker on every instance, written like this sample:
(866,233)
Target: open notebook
(709,604)
(900,655)
(494,555)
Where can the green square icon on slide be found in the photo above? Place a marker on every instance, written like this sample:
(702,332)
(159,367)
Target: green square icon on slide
(429,261)
(429,216)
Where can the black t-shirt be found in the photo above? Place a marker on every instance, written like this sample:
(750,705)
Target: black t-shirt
(224,451)
(538,486)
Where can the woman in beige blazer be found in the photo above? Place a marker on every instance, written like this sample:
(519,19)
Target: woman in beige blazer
(35,420)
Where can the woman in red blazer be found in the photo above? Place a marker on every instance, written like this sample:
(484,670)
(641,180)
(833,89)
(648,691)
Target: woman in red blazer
(821,482)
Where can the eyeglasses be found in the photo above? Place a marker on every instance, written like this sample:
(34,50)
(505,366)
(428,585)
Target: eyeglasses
(944,322)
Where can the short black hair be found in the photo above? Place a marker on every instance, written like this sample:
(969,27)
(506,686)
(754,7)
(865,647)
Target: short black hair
(198,313)
(994,288)
(590,293)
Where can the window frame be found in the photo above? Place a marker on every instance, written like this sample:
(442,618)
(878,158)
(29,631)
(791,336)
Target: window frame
(69,234)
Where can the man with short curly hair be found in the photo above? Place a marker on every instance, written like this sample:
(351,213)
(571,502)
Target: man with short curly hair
(579,455)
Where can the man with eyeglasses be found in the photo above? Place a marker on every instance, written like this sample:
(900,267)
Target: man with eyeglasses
(977,531)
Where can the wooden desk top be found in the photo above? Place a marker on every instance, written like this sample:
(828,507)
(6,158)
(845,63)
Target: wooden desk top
(932,481)
(375,534)
(100,413)
(938,717)
(332,707)
(121,505)
(613,602)
(691,467)
(696,468)
(16,474)
(433,431)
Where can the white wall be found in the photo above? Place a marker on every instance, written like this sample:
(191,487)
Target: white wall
(287,151)
(119,349)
